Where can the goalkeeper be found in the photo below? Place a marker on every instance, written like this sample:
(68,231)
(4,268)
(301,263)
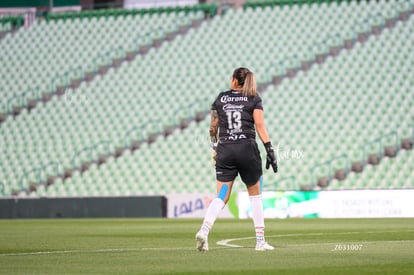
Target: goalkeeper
(236,116)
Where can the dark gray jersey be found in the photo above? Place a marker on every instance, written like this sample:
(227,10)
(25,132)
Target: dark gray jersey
(235,113)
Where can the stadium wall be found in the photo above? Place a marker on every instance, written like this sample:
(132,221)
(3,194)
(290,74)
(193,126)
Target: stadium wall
(87,207)
(364,203)
(396,203)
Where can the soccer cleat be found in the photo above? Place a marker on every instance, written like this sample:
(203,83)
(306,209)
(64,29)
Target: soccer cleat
(201,241)
(264,246)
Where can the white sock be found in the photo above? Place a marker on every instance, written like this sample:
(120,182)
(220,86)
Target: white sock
(258,217)
(212,212)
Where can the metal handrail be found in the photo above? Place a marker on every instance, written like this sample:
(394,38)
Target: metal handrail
(77,71)
(79,152)
(24,176)
(107,145)
(119,51)
(53,82)
(329,164)
(333,40)
(374,19)
(36,91)
(97,61)
(142,130)
(90,150)
(379,141)
(54,165)
(9,106)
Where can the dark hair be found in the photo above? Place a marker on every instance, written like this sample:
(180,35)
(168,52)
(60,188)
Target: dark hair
(246,79)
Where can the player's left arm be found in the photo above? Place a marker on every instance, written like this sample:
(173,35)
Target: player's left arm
(261,130)
(260,125)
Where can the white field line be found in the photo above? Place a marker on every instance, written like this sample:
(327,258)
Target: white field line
(106,250)
(224,243)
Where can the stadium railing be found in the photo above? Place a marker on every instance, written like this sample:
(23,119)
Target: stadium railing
(8,23)
(271,3)
(208,9)
(370,156)
(30,179)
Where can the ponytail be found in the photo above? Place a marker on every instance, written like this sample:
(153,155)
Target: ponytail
(245,79)
(249,86)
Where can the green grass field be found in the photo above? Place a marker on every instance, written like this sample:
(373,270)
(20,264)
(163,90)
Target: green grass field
(154,246)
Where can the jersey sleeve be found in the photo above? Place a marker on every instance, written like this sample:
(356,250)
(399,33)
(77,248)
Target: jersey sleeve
(213,105)
(258,103)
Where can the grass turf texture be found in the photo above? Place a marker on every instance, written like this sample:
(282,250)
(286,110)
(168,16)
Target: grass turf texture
(153,246)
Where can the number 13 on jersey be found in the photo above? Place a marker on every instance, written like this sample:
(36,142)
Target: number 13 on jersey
(234,120)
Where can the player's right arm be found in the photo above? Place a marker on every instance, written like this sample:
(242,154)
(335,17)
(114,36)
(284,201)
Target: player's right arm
(214,125)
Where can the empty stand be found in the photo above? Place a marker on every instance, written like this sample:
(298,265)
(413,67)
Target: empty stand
(38,60)
(326,114)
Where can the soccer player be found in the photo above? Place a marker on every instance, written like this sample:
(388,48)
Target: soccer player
(236,116)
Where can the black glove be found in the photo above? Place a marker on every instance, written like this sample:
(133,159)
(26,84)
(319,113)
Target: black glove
(270,158)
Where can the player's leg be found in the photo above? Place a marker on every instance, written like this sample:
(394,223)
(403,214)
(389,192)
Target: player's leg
(255,196)
(226,172)
(215,207)
(251,173)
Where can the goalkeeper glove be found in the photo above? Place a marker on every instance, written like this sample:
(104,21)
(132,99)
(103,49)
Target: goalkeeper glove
(270,158)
